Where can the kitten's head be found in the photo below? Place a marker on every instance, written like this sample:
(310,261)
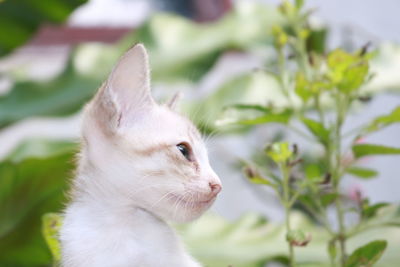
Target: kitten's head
(141,153)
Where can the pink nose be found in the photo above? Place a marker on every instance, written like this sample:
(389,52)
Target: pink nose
(215,188)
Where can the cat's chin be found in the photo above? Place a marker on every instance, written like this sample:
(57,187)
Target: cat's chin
(190,209)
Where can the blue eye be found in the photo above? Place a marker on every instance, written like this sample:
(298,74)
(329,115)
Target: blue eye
(185,150)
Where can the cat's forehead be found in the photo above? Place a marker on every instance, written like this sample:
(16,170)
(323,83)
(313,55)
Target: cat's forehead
(163,123)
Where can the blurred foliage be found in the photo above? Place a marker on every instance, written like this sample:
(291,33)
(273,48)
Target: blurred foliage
(33,178)
(31,186)
(62,96)
(253,241)
(306,77)
(20,19)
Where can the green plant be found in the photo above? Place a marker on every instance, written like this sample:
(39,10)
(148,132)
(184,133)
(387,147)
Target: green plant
(321,90)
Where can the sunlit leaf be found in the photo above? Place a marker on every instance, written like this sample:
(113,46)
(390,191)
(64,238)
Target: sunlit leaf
(354,77)
(347,71)
(279,152)
(51,225)
(303,87)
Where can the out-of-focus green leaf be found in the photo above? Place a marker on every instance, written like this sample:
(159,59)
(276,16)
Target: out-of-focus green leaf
(384,121)
(260,114)
(282,117)
(19,19)
(317,129)
(354,77)
(299,4)
(303,88)
(260,180)
(40,148)
(61,96)
(362,172)
(279,152)
(51,225)
(281,38)
(362,150)
(369,211)
(181,50)
(28,190)
(327,199)
(316,42)
(313,172)
(256,88)
(367,255)
(347,71)
(255,177)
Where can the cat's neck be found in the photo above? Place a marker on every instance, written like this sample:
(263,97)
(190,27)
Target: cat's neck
(101,230)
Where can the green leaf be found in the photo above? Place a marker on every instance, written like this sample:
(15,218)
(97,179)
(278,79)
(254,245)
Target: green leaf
(332,250)
(64,95)
(299,4)
(317,129)
(354,77)
(347,71)
(254,176)
(328,199)
(30,188)
(251,89)
(362,172)
(19,20)
(313,172)
(303,87)
(250,107)
(282,117)
(339,60)
(40,148)
(384,121)
(51,225)
(279,152)
(260,180)
(362,150)
(370,211)
(367,255)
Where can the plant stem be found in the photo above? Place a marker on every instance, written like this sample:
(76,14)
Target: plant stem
(342,232)
(341,235)
(285,170)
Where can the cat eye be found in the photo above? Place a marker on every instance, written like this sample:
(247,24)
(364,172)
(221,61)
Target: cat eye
(185,149)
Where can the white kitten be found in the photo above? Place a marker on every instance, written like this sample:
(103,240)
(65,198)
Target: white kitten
(141,165)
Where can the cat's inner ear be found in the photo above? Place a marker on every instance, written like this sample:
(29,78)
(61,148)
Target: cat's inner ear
(128,85)
(174,101)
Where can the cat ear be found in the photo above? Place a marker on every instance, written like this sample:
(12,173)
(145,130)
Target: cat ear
(173,102)
(129,81)
(126,93)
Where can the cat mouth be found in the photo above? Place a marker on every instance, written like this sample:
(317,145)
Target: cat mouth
(192,202)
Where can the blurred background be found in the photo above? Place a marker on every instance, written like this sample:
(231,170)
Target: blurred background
(54,54)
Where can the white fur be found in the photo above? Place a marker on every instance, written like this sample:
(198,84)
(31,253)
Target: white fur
(132,179)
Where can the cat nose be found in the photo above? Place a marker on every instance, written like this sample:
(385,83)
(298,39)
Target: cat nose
(215,188)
